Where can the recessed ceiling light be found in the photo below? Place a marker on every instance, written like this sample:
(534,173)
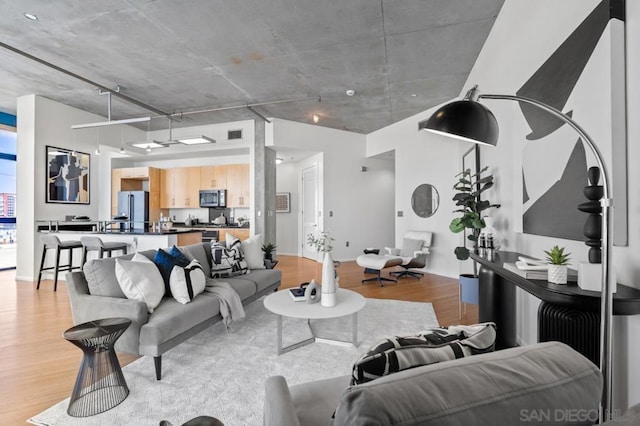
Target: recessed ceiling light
(350,92)
(413,95)
(278,160)
(315,118)
(30,16)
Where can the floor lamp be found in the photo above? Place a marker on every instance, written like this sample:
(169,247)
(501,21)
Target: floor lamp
(470,121)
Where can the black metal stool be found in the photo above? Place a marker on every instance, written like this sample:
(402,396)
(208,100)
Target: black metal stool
(53,242)
(100,384)
(96,243)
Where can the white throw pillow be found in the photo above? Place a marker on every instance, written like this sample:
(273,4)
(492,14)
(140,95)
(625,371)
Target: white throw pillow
(188,282)
(252,250)
(140,279)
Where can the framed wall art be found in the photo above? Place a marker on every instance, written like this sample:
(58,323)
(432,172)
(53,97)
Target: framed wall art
(283,202)
(67,176)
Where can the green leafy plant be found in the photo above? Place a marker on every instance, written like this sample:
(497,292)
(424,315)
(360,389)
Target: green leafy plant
(268,250)
(322,243)
(557,256)
(469,187)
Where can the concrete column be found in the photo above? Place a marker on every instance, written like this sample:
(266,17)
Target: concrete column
(264,184)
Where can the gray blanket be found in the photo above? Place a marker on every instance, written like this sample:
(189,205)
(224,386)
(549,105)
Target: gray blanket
(230,304)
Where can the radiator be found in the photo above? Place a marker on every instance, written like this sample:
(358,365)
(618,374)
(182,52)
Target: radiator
(578,329)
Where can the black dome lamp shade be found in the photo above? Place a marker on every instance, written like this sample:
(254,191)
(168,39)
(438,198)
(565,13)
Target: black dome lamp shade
(466,120)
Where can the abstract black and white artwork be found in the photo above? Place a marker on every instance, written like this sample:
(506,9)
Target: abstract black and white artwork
(584,78)
(67,176)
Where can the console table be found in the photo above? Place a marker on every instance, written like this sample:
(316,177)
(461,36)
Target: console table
(567,313)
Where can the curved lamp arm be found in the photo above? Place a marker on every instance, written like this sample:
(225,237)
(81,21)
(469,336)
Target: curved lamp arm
(606,306)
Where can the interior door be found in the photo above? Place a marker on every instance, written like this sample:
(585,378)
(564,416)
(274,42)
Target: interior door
(309,210)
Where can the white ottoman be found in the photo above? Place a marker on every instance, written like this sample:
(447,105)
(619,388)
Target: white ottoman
(377,263)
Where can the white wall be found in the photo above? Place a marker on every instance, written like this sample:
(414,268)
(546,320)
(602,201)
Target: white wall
(422,157)
(288,224)
(362,215)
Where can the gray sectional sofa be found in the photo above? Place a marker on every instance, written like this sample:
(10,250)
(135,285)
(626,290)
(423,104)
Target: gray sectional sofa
(545,383)
(94,293)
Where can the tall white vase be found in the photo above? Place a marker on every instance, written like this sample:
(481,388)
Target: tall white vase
(328,297)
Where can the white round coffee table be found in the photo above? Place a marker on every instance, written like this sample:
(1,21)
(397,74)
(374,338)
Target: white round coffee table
(347,303)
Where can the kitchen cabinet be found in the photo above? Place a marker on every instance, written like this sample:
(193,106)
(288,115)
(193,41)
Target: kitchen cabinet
(213,177)
(167,188)
(180,187)
(240,233)
(154,193)
(238,185)
(135,172)
(115,188)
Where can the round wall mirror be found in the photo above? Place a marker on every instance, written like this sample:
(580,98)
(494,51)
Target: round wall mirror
(425,200)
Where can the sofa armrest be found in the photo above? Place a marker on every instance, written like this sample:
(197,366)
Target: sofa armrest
(279,409)
(86,307)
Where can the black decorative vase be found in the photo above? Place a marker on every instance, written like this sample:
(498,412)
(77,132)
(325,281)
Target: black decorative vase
(593,226)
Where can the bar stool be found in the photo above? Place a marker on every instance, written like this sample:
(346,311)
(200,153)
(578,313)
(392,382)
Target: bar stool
(96,243)
(53,242)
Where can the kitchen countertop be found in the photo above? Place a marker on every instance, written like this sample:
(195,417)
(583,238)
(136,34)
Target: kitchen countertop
(172,232)
(181,225)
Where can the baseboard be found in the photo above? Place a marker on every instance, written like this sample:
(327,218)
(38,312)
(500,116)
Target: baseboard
(20,278)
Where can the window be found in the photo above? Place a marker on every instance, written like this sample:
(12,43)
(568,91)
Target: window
(8,150)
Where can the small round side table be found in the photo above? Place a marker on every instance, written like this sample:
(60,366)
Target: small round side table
(100,384)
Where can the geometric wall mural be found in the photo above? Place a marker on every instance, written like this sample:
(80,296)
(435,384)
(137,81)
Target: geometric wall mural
(582,79)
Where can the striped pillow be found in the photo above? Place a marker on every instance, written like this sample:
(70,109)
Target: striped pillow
(400,353)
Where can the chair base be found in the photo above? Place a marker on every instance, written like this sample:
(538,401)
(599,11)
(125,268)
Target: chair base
(407,273)
(379,279)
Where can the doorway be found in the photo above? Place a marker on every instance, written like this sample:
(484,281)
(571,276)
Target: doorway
(310,210)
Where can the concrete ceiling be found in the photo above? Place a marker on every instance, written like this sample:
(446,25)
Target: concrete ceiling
(400,56)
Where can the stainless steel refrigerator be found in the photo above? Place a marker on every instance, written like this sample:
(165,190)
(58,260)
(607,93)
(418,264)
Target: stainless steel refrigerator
(134,205)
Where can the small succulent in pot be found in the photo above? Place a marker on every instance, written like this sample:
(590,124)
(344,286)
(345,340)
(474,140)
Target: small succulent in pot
(268,250)
(558,260)
(557,256)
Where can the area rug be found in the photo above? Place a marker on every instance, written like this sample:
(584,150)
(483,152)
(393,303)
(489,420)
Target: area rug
(222,374)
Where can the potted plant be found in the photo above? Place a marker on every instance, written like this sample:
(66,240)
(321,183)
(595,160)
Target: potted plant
(557,268)
(469,187)
(268,250)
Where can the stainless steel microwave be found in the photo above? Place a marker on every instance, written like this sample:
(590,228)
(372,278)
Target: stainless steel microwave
(213,198)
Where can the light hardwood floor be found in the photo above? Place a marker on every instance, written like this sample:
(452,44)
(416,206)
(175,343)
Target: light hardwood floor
(38,367)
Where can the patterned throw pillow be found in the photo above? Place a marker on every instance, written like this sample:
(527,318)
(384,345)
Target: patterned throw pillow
(227,262)
(400,353)
(186,283)
(240,267)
